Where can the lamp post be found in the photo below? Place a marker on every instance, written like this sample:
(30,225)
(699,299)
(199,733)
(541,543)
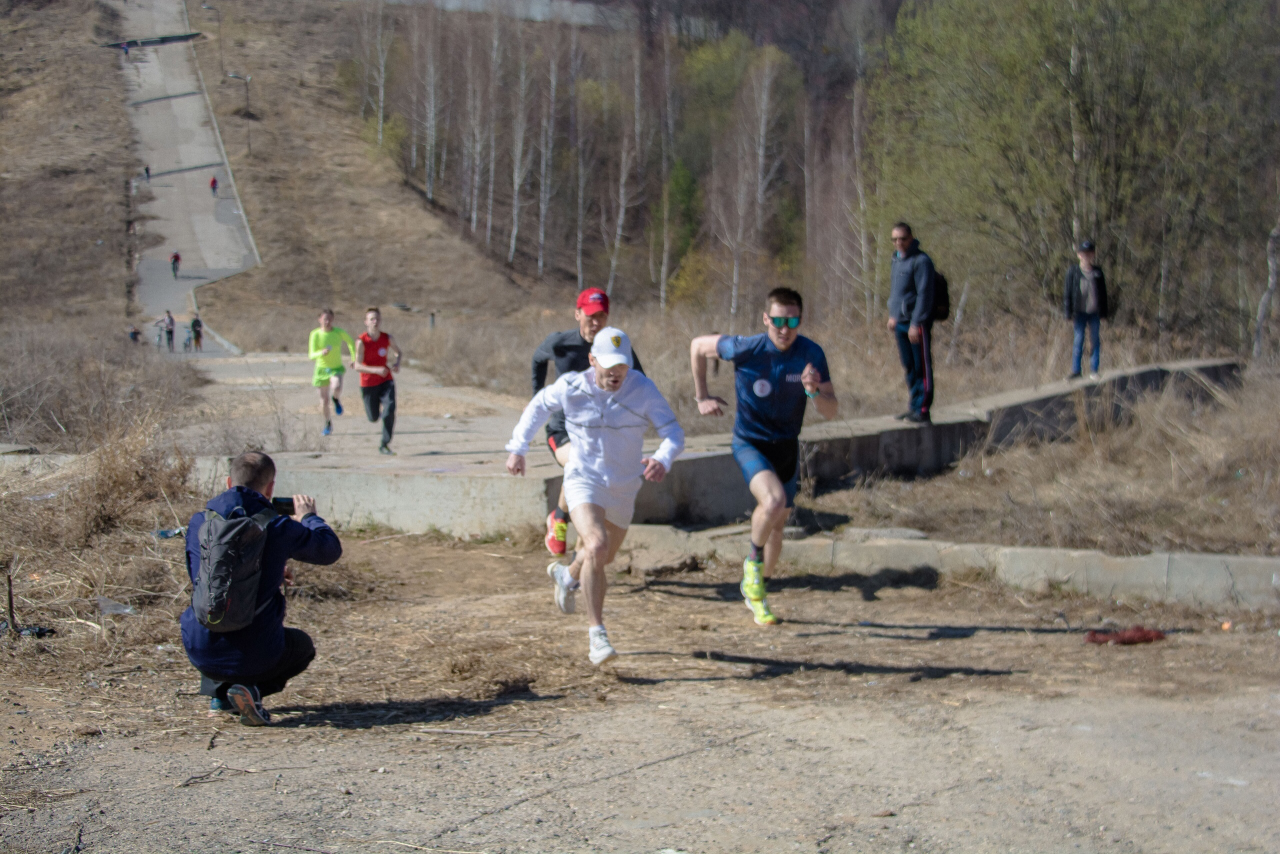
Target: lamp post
(221,65)
(248,114)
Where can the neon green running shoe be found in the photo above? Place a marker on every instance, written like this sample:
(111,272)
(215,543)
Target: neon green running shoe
(759,609)
(752,585)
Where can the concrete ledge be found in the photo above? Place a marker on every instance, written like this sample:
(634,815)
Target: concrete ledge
(1200,580)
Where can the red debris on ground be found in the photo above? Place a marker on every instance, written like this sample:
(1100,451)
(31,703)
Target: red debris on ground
(1136,634)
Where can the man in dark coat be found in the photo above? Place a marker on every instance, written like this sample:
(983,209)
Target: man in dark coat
(1084,302)
(911,292)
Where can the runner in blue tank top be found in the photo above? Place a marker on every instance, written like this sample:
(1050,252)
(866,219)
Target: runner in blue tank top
(776,374)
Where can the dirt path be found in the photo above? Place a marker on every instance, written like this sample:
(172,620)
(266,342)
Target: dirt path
(452,708)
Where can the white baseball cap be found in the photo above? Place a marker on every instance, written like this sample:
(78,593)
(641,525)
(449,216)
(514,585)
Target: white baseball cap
(611,347)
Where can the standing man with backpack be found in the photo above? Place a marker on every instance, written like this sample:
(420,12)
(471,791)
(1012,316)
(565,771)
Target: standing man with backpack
(911,316)
(234,631)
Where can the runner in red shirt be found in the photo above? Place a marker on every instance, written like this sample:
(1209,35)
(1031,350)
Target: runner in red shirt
(377,386)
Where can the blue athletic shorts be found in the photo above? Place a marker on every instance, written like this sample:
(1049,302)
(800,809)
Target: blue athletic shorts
(781,458)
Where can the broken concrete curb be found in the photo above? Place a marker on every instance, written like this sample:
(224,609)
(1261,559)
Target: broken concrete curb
(1208,580)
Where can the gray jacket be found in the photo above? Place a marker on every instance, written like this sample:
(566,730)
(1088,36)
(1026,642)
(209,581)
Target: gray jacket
(911,286)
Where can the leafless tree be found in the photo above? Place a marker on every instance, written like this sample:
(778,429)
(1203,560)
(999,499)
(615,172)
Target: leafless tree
(375,32)
(546,145)
(521,158)
(429,82)
(668,150)
(474,135)
(495,59)
(765,115)
(731,197)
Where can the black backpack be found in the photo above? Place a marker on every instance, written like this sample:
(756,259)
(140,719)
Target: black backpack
(941,297)
(225,595)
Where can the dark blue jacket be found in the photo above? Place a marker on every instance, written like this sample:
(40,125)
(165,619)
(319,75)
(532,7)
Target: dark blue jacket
(255,649)
(911,286)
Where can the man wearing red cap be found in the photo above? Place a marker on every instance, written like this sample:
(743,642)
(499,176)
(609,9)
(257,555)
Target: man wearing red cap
(571,351)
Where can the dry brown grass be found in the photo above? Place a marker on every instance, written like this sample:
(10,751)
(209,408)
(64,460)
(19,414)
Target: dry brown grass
(65,162)
(71,386)
(1180,476)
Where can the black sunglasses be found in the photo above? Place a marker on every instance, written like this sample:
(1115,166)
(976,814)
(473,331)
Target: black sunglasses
(789,322)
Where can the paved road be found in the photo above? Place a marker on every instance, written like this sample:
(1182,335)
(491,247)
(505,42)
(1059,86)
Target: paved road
(177,137)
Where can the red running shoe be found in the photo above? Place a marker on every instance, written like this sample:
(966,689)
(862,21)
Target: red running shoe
(557,532)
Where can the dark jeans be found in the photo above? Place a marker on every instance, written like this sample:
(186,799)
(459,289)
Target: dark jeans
(917,362)
(298,654)
(381,398)
(168,337)
(1093,323)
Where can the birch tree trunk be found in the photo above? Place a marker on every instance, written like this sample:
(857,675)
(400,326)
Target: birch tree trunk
(474,150)
(520,161)
(668,137)
(576,140)
(1264,304)
(494,59)
(625,156)
(546,148)
(762,82)
(431,105)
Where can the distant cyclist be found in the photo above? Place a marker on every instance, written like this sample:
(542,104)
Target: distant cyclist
(325,347)
(174,260)
(197,333)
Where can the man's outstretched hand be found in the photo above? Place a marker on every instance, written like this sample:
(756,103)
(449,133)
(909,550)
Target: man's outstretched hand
(303,505)
(712,406)
(515,465)
(653,470)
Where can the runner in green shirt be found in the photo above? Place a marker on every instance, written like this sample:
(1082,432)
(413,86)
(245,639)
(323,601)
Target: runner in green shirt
(325,346)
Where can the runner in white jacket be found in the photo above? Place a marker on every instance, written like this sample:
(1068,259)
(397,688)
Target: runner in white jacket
(607,411)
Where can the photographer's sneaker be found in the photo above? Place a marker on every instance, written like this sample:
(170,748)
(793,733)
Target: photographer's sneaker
(565,586)
(218,707)
(337,406)
(601,649)
(248,702)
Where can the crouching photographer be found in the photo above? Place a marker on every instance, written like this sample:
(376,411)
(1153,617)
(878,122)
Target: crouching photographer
(234,631)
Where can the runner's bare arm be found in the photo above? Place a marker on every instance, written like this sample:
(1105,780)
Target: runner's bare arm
(822,394)
(391,339)
(360,366)
(700,349)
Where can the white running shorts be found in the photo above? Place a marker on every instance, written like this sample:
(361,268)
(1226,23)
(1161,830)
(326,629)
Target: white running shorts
(619,501)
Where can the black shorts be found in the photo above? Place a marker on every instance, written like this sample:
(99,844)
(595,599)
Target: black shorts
(557,439)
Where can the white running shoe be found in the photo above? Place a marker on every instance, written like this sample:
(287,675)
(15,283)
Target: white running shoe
(601,649)
(564,586)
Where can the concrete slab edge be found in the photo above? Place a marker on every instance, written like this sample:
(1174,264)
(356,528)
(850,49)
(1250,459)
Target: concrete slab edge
(1232,582)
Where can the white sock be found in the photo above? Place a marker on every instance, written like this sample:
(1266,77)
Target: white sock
(566,580)
(596,631)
